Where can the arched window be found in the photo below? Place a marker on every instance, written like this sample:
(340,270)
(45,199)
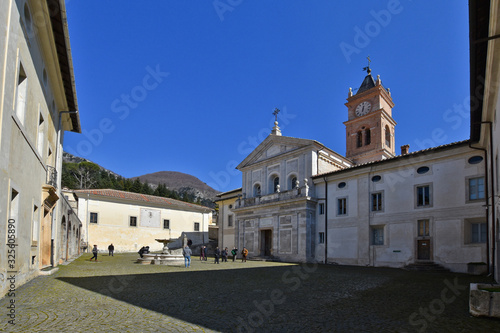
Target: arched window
(276,182)
(359,139)
(293,180)
(256,190)
(387,136)
(368,137)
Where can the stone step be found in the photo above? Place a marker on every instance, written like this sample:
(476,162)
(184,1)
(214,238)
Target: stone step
(426,266)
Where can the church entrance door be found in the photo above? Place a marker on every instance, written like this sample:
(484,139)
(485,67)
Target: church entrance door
(266,242)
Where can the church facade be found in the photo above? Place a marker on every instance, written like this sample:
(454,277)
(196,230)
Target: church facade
(303,202)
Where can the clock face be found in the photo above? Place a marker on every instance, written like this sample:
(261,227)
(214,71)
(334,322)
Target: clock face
(363,108)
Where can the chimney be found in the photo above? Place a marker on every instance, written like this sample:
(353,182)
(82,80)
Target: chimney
(405,149)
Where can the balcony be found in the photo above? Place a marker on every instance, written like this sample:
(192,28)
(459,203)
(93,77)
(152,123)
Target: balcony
(299,192)
(51,176)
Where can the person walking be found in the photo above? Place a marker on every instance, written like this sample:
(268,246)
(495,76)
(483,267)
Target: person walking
(244,253)
(225,253)
(234,252)
(186,252)
(216,255)
(205,252)
(202,253)
(94,252)
(111,249)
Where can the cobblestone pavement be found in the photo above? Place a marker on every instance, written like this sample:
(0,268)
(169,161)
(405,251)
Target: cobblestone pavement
(117,295)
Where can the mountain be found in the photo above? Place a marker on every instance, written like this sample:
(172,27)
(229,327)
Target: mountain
(179,182)
(185,185)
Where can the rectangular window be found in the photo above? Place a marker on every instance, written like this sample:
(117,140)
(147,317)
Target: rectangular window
(476,188)
(166,224)
(342,206)
(196,226)
(321,238)
(34,233)
(230,221)
(13,214)
(133,221)
(376,202)
(423,196)
(423,228)
(93,217)
(21,94)
(478,232)
(378,236)
(321,209)
(40,138)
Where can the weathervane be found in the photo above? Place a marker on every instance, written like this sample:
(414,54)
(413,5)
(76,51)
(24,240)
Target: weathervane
(276,111)
(367,68)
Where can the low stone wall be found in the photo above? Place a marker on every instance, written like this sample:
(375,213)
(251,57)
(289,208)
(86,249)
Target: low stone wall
(483,302)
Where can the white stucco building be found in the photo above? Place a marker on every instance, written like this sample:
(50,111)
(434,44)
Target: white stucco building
(132,220)
(301,201)
(37,104)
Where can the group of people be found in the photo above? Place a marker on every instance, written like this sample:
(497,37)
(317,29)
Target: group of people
(186,252)
(95,251)
(224,254)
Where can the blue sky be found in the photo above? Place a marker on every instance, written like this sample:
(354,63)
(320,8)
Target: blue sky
(190,86)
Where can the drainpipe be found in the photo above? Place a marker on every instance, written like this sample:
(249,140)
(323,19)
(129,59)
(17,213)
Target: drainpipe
(490,266)
(326,220)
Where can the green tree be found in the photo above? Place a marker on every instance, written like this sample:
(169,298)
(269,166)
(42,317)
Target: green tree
(136,186)
(85,174)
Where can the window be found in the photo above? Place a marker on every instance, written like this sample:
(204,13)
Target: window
(376,202)
(133,221)
(342,206)
(34,233)
(475,160)
(387,136)
(321,209)
(40,134)
(359,139)
(276,182)
(368,137)
(476,188)
(321,238)
(423,228)
(376,178)
(478,232)
(21,94)
(342,185)
(423,170)
(166,224)
(230,221)
(423,196)
(196,226)
(93,217)
(293,181)
(378,236)
(13,213)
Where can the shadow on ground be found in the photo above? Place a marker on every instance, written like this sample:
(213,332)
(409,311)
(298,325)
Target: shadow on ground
(300,298)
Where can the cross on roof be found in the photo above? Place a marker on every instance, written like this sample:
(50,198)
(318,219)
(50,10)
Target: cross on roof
(275,113)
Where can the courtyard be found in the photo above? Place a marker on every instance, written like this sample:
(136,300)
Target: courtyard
(117,295)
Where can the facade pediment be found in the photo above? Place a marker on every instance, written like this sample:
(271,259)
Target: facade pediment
(274,146)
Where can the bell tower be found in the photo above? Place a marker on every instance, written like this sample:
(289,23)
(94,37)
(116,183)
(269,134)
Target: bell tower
(370,126)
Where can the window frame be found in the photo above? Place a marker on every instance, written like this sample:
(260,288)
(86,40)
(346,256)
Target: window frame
(96,217)
(426,230)
(377,233)
(196,226)
(168,224)
(321,208)
(130,219)
(230,222)
(321,239)
(469,192)
(481,234)
(342,206)
(380,205)
(417,196)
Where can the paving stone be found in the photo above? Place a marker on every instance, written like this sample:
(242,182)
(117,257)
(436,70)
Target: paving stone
(118,295)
